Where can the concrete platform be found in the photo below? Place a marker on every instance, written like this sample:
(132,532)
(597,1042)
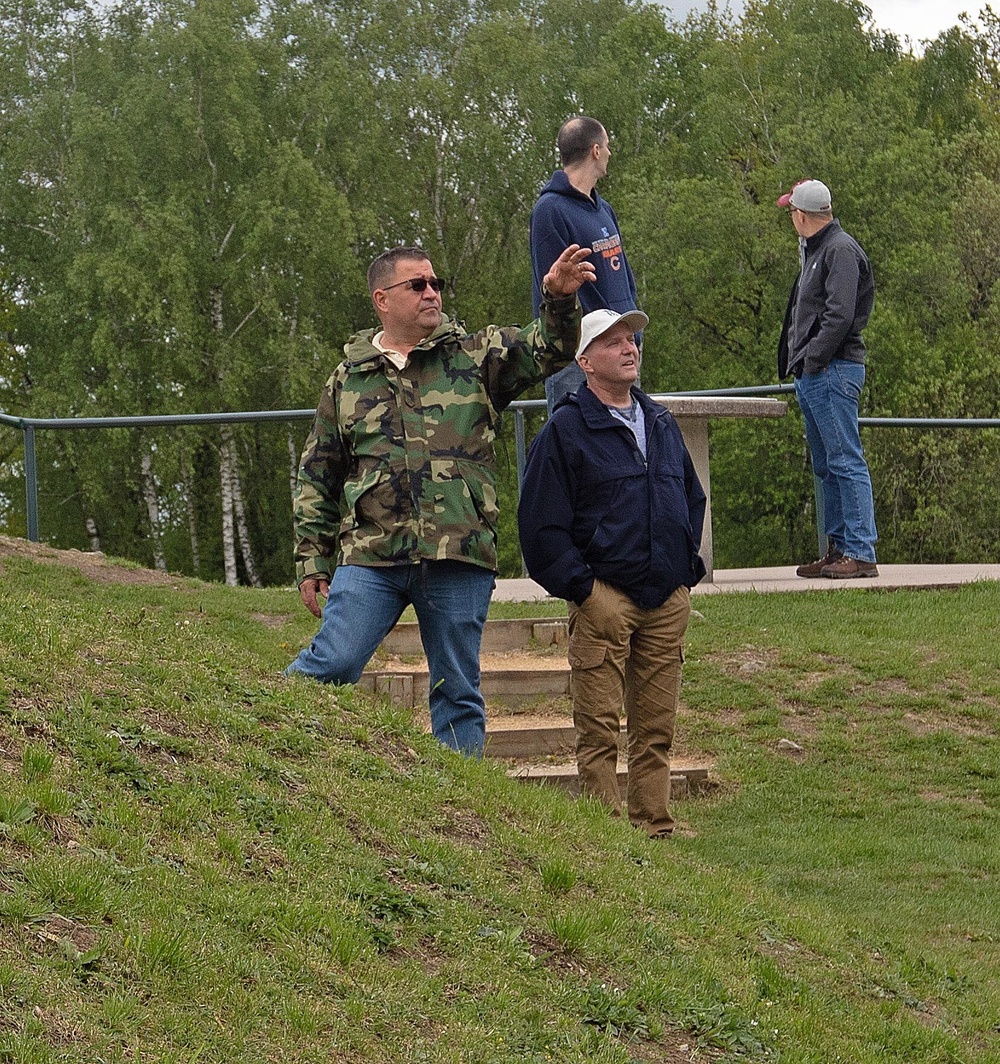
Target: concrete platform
(890,578)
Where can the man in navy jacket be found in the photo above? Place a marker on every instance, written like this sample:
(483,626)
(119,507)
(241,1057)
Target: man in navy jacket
(570,210)
(610,519)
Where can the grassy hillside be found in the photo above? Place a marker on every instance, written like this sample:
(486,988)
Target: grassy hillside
(202,861)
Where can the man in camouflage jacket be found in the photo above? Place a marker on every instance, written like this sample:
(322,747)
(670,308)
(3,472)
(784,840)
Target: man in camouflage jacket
(396,499)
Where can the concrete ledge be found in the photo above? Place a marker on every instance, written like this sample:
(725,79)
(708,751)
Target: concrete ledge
(890,578)
(499,636)
(513,686)
(685,780)
(705,406)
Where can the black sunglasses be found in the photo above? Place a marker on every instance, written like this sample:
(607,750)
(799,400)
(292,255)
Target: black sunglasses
(418,284)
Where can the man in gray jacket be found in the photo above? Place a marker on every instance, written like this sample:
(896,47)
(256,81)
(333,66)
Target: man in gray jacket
(821,347)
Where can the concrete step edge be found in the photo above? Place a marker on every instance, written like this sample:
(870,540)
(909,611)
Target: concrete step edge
(412,688)
(685,780)
(499,636)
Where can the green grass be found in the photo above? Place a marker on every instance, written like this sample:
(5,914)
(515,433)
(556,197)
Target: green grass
(203,861)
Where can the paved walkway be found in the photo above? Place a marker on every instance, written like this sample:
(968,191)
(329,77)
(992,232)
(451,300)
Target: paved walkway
(891,577)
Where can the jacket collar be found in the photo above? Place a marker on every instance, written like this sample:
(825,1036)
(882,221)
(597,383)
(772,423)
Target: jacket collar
(360,353)
(597,416)
(820,238)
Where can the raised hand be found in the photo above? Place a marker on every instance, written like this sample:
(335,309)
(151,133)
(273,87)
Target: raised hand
(569,272)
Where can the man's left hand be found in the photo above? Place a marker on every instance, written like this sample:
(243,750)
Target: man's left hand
(569,272)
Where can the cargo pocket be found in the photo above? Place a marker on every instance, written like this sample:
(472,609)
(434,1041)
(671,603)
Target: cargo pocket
(597,694)
(584,654)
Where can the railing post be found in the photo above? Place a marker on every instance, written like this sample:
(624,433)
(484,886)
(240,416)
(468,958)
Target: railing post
(519,448)
(521,458)
(31,483)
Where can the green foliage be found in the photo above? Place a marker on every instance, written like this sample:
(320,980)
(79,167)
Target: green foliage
(190,194)
(610,1009)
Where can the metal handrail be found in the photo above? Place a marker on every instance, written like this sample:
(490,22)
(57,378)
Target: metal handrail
(140,421)
(29,425)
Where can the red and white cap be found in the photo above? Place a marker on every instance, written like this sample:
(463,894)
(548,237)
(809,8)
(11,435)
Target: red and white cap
(813,197)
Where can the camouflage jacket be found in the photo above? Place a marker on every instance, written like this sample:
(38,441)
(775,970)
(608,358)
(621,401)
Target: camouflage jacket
(399,465)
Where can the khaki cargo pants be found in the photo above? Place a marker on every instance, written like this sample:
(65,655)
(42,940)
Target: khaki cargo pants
(622,655)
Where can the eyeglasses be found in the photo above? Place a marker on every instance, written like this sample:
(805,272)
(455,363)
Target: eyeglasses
(418,284)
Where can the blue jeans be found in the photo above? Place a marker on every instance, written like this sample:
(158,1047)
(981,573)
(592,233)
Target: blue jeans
(451,600)
(829,404)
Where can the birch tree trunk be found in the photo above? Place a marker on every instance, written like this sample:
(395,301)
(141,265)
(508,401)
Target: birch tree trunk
(192,516)
(228,529)
(227,456)
(234,517)
(293,466)
(93,534)
(246,548)
(152,501)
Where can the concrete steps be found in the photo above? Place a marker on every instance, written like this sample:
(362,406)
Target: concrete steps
(543,752)
(686,781)
(526,684)
(499,637)
(409,685)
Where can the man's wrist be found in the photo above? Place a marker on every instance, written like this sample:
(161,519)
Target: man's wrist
(550,297)
(312,569)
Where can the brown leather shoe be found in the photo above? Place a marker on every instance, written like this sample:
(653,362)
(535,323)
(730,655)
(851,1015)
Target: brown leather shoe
(847,568)
(816,568)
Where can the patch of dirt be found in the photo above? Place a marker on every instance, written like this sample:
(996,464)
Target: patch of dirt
(464,826)
(529,720)
(58,929)
(10,753)
(271,620)
(427,954)
(93,565)
(397,754)
(745,662)
(546,950)
(674,1047)
(59,1031)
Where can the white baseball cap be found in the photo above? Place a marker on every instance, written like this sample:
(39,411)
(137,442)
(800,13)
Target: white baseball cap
(597,323)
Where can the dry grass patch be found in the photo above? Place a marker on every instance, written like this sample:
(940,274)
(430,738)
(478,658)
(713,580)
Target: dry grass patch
(93,565)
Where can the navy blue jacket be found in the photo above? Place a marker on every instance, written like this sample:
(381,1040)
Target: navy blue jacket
(591,507)
(562,216)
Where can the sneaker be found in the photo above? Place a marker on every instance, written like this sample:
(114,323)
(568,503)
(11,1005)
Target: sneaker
(833,554)
(847,568)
